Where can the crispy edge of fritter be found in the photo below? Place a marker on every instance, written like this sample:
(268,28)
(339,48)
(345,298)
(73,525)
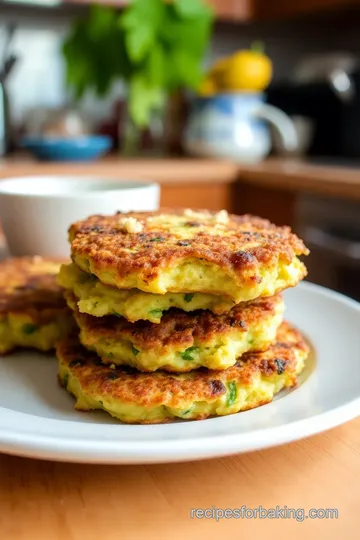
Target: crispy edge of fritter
(27,287)
(102,241)
(61,319)
(176,391)
(127,298)
(179,329)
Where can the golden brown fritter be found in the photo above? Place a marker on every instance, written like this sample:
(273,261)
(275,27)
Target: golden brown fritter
(182,341)
(159,397)
(28,285)
(33,311)
(97,299)
(184,251)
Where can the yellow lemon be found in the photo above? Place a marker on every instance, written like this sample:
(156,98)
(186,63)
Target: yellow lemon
(247,70)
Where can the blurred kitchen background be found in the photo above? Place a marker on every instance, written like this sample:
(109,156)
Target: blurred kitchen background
(248,105)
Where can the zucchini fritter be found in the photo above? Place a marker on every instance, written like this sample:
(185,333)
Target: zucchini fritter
(33,311)
(160,397)
(183,341)
(97,299)
(241,257)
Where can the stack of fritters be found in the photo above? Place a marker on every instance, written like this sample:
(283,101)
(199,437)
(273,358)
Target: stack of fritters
(179,314)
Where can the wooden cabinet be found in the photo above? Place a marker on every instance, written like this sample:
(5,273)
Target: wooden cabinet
(231,10)
(284,8)
(248,10)
(235,10)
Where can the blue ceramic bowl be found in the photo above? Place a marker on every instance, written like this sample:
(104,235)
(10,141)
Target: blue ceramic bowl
(85,148)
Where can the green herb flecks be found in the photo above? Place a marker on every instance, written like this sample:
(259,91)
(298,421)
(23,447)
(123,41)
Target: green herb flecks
(232,394)
(157,239)
(188,297)
(65,380)
(117,314)
(134,350)
(190,353)
(156,313)
(29,329)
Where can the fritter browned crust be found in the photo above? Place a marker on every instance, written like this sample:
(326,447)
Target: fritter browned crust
(177,328)
(28,286)
(126,386)
(240,244)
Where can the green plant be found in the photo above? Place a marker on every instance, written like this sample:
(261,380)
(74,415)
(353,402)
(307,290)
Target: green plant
(155,46)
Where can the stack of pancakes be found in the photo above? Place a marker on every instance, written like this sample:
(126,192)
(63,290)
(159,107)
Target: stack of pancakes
(180,314)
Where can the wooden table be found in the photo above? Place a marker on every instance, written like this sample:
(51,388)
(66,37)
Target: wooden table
(54,501)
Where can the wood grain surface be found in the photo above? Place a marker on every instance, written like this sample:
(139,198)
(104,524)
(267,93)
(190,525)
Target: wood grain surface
(273,173)
(169,171)
(56,501)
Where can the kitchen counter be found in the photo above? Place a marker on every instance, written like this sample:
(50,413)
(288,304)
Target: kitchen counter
(184,182)
(277,173)
(302,176)
(268,189)
(163,170)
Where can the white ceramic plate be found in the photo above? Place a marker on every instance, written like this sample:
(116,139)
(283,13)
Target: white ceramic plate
(37,418)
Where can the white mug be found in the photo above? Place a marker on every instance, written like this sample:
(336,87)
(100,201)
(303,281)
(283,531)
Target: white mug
(36,211)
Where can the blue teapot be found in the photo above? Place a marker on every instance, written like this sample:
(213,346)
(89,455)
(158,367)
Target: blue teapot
(235,126)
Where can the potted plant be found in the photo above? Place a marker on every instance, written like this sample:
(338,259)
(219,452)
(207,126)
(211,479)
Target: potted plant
(155,46)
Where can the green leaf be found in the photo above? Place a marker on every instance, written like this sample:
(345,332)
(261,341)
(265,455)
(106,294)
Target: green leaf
(149,12)
(188,69)
(188,297)
(134,350)
(87,63)
(29,329)
(193,37)
(192,8)
(190,353)
(117,314)
(101,21)
(143,99)
(139,41)
(141,21)
(156,65)
(155,46)
(232,394)
(185,41)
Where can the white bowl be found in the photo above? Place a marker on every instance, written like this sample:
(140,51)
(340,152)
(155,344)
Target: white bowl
(36,211)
